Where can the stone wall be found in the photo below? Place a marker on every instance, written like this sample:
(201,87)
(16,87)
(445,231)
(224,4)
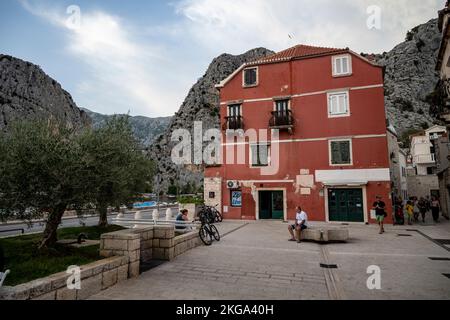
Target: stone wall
(155,242)
(95,277)
(421,186)
(124,251)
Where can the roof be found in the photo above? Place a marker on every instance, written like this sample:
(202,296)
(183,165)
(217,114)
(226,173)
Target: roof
(392,130)
(294,53)
(297,52)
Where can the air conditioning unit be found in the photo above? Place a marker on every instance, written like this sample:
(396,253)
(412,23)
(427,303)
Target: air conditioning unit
(232,184)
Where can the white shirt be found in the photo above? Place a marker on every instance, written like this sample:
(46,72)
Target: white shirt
(302,216)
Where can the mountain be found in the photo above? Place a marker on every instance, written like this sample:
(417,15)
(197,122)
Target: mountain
(410,77)
(201,104)
(145,129)
(26,92)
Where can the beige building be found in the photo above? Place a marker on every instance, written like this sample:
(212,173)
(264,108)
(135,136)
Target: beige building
(422,180)
(397,165)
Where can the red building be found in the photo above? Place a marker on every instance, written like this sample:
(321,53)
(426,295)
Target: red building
(328,105)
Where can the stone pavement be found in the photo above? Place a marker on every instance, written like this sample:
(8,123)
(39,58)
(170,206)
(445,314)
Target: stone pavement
(254,260)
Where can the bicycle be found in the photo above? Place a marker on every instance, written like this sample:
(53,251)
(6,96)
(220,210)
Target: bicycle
(207,232)
(210,214)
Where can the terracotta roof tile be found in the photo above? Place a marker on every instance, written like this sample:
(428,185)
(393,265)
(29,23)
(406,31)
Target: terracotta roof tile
(299,51)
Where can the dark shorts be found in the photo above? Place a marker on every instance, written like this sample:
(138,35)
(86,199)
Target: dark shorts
(302,227)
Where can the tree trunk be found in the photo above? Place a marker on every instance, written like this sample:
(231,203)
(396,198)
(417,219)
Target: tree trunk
(103,221)
(49,237)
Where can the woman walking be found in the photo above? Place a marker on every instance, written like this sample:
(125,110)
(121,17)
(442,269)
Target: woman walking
(435,209)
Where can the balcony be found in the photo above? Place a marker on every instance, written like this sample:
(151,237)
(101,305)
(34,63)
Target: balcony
(425,158)
(282,120)
(439,100)
(233,123)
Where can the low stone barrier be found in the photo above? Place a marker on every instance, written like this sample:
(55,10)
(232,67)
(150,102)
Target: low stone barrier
(155,242)
(124,250)
(95,277)
(325,234)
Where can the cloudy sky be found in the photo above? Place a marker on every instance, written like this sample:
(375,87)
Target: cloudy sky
(142,57)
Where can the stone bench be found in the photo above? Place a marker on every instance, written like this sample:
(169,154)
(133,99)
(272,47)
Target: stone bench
(325,234)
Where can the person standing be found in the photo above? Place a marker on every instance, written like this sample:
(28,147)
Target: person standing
(435,208)
(409,212)
(379,206)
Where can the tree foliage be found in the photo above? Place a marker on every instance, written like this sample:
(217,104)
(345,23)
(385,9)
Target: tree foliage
(116,170)
(47,168)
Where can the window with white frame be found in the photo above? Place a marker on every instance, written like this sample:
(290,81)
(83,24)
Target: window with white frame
(260,155)
(250,77)
(338,104)
(340,152)
(342,65)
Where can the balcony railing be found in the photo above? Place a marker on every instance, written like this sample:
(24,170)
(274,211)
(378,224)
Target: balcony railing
(425,158)
(282,120)
(233,123)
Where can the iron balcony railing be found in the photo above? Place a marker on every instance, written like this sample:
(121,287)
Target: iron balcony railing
(281,120)
(233,123)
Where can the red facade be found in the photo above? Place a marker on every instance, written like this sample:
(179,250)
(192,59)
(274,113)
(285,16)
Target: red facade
(333,153)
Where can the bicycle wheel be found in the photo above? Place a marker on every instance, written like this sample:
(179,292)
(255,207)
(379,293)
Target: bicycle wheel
(205,235)
(215,233)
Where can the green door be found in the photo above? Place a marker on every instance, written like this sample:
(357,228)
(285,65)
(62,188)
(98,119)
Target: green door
(345,205)
(265,204)
(271,205)
(277,205)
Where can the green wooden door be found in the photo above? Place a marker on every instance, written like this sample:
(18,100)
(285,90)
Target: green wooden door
(277,205)
(345,205)
(265,204)
(271,205)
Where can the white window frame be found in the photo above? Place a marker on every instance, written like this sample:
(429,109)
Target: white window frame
(334,93)
(334,61)
(257,77)
(251,154)
(330,154)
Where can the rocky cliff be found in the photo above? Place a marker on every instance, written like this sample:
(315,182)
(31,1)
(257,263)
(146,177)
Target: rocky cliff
(145,129)
(26,92)
(411,77)
(201,104)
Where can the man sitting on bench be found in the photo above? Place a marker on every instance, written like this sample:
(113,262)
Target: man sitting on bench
(301,223)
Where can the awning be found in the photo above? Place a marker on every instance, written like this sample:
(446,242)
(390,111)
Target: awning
(347,183)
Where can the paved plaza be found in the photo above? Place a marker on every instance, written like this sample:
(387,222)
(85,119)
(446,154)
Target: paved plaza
(254,260)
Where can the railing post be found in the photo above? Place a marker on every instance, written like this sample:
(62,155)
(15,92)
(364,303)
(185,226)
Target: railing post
(155,215)
(168,214)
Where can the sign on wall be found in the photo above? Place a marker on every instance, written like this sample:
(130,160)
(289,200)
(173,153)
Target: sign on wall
(236,198)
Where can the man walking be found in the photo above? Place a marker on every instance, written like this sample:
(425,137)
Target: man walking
(379,207)
(301,223)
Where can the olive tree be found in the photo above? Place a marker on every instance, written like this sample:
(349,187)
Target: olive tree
(116,171)
(40,172)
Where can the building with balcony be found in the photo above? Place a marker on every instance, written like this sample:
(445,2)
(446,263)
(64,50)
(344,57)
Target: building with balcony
(441,107)
(423,180)
(331,152)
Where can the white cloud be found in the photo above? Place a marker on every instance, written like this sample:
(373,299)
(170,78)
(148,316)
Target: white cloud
(239,25)
(126,74)
(149,69)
